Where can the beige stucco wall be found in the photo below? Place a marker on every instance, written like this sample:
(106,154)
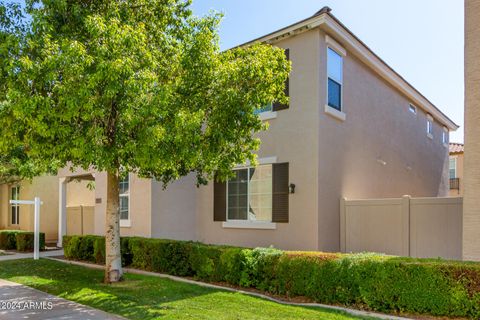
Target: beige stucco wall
(471,214)
(460,175)
(140,206)
(381,150)
(45,187)
(80,194)
(174,210)
(292,137)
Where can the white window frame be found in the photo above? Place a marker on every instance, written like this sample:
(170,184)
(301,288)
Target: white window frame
(126,223)
(445,137)
(455,160)
(412,108)
(337,48)
(430,126)
(17,206)
(249,224)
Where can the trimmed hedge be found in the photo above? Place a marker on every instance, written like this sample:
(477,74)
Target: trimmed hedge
(25,241)
(7,239)
(19,240)
(368,281)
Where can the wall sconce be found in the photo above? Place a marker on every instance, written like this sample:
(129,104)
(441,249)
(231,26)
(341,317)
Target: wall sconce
(381,161)
(291,188)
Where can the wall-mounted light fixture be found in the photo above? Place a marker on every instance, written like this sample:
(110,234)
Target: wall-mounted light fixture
(381,161)
(291,188)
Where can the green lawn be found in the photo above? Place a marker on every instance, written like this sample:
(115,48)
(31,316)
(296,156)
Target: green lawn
(146,297)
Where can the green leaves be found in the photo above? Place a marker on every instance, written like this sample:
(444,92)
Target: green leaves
(138,86)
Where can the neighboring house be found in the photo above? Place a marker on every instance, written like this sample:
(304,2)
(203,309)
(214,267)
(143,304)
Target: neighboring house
(455,169)
(354,128)
(471,212)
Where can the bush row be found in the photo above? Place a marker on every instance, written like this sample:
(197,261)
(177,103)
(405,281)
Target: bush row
(19,240)
(375,282)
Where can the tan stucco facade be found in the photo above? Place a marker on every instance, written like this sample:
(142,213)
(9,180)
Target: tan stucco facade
(380,150)
(45,187)
(471,213)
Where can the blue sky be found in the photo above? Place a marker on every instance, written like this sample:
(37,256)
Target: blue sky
(422,40)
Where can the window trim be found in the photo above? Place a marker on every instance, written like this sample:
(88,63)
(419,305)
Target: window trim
(413,109)
(445,137)
(267,115)
(17,213)
(455,158)
(329,110)
(429,126)
(126,223)
(249,224)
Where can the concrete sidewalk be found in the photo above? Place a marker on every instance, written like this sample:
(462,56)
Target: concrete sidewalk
(15,256)
(22,302)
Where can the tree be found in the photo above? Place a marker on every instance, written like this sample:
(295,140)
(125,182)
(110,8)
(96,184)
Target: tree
(135,86)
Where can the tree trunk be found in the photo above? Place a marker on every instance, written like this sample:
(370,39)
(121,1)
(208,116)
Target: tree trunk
(113,258)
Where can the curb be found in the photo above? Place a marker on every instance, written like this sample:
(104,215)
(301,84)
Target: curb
(255,294)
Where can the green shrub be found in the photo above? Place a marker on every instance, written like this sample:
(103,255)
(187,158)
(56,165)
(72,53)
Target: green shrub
(91,248)
(368,281)
(8,239)
(25,241)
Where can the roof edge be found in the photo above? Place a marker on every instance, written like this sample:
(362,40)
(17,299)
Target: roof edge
(324,18)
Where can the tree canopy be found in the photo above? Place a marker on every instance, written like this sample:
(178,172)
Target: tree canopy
(131,86)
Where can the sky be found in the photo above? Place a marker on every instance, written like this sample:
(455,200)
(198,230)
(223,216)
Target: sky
(421,39)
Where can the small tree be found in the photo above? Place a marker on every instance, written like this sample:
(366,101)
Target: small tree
(135,86)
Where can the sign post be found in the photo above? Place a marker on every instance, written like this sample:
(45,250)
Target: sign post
(36,232)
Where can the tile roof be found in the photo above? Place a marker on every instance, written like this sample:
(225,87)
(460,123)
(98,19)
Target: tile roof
(456,147)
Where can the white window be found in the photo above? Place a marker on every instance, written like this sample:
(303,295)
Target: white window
(412,109)
(249,194)
(124,202)
(453,168)
(335,79)
(429,126)
(15,208)
(445,136)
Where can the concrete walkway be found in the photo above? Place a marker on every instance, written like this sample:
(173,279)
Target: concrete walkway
(22,302)
(15,256)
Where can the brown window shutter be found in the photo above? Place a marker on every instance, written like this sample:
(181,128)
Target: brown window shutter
(280,192)
(277,106)
(219,201)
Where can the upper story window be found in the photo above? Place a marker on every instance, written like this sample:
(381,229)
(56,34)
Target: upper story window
(412,109)
(249,194)
(15,208)
(452,168)
(124,202)
(445,137)
(335,79)
(429,126)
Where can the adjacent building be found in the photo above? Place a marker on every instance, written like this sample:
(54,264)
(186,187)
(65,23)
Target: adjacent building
(353,128)
(455,169)
(471,212)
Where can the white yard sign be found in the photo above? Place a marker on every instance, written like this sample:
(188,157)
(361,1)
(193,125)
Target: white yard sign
(36,232)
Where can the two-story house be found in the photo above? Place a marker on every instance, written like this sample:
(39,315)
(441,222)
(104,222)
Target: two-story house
(353,128)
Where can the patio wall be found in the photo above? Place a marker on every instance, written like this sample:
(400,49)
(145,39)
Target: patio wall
(416,227)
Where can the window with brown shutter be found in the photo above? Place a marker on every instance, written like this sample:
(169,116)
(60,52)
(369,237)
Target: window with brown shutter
(219,201)
(280,192)
(254,194)
(277,106)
